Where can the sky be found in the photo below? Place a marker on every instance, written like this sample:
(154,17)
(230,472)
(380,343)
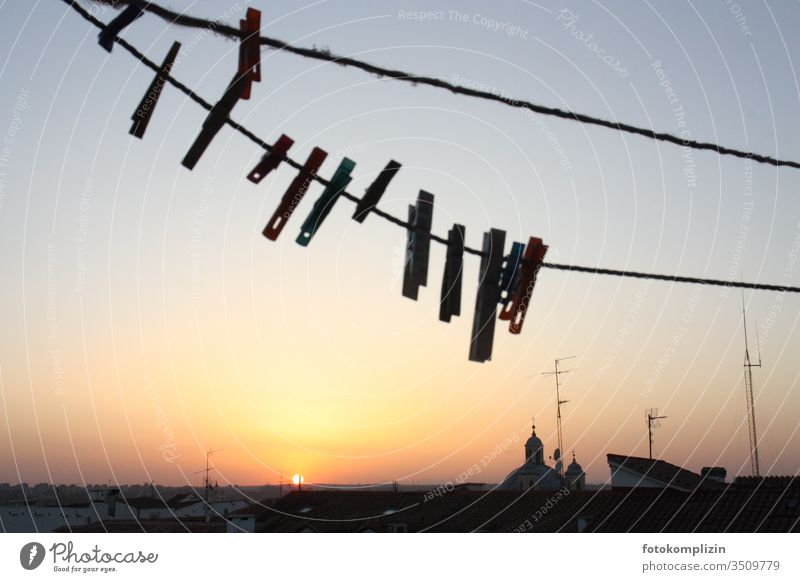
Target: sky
(146,320)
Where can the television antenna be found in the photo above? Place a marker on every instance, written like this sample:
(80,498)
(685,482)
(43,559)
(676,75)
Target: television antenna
(653,421)
(748,384)
(207,470)
(559,402)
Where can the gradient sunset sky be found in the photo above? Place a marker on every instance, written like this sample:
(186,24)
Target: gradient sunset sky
(145,319)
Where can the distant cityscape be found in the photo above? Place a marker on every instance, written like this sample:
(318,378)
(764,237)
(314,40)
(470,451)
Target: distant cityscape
(642,494)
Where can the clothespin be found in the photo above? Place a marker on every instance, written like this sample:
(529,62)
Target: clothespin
(480,347)
(215,120)
(294,194)
(324,204)
(141,117)
(373,194)
(517,306)
(450,303)
(510,272)
(271,159)
(109,34)
(420,217)
(250,49)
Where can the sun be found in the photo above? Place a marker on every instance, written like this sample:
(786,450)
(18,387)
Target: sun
(298,479)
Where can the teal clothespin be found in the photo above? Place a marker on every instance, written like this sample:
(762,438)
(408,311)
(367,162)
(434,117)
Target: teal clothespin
(341,178)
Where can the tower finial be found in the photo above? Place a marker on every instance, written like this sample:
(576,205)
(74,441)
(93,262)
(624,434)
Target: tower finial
(533,425)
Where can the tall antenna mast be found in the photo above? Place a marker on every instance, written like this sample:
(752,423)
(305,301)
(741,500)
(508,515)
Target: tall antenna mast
(559,402)
(653,421)
(207,470)
(748,385)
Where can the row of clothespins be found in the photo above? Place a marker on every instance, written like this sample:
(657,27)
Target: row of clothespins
(504,280)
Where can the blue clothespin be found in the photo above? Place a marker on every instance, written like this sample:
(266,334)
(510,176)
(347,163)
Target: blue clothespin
(322,207)
(510,274)
(420,219)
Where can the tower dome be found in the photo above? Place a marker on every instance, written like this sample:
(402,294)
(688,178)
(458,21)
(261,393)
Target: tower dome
(574,468)
(534,449)
(533,473)
(575,477)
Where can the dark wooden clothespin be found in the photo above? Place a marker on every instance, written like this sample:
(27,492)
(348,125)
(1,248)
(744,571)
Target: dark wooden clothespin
(373,194)
(141,117)
(294,194)
(324,204)
(450,303)
(517,306)
(271,159)
(482,339)
(420,219)
(250,49)
(510,273)
(108,35)
(215,120)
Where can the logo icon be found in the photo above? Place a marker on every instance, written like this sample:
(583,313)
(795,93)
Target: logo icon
(31,555)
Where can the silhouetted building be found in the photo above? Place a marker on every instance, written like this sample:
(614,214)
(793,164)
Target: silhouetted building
(533,473)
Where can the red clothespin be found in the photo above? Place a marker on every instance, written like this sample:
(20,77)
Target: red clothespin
(294,194)
(482,339)
(271,159)
(250,49)
(517,306)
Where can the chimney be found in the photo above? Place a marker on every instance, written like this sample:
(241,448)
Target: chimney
(714,474)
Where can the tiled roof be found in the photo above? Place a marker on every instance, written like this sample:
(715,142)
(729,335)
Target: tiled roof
(166,525)
(667,473)
(727,508)
(144,502)
(256,509)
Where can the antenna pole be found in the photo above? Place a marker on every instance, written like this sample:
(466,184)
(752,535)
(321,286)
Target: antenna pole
(206,482)
(559,402)
(652,422)
(751,406)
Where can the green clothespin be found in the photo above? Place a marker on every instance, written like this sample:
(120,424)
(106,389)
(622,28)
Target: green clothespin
(322,207)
